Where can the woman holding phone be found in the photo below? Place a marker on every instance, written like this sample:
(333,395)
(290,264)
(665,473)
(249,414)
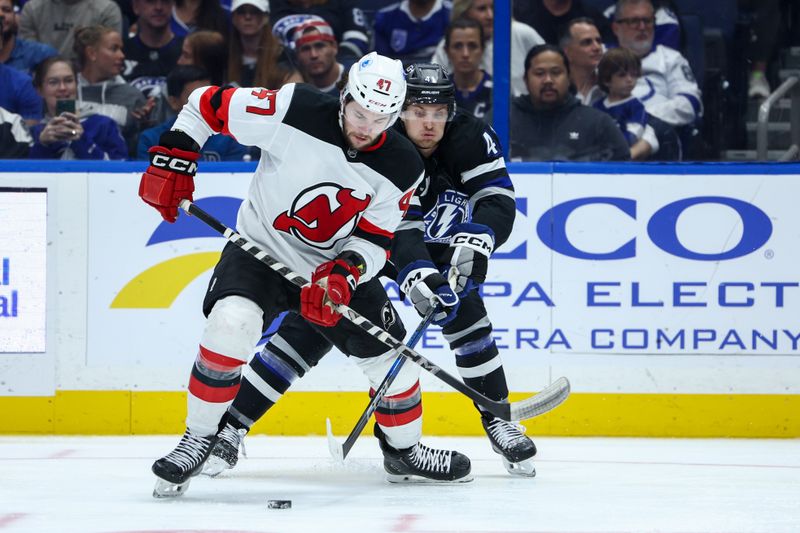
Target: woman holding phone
(63,134)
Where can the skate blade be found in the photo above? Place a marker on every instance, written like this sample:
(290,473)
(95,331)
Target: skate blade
(412,479)
(524,468)
(165,489)
(214,466)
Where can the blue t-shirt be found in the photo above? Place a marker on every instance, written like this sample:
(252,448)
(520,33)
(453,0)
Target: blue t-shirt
(27,54)
(398,34)
(217,147)
(17,93)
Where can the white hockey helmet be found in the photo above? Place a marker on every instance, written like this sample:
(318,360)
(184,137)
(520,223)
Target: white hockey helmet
(378,84)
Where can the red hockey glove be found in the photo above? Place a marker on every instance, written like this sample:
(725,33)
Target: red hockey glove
(333,283)
(168,180)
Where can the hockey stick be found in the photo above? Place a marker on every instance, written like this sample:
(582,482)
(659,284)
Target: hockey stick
(340,451)
(546,400)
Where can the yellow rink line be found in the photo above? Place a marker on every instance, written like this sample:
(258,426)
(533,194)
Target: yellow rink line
(304,413)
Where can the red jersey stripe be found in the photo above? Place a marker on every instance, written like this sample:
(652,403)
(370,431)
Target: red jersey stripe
(207,110)
(369,227)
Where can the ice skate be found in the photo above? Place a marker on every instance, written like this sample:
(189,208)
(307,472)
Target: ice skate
(175,470)
(422,464)
(225,453)
(510,442)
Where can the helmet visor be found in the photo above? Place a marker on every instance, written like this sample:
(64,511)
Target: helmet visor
(426,113)
(365,121)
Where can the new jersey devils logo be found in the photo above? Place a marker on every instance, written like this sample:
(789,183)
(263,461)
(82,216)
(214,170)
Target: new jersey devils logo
(322,215)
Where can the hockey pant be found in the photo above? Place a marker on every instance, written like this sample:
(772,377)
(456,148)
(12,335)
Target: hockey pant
(477,358)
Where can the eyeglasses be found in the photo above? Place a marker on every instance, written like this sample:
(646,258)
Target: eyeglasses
(635,21)
(364,120)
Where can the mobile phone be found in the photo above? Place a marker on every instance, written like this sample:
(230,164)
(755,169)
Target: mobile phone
(65,106)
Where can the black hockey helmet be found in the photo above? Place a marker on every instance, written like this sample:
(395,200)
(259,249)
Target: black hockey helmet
(429,83)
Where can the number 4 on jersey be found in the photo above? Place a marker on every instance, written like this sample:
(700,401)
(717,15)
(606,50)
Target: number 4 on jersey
(269,104)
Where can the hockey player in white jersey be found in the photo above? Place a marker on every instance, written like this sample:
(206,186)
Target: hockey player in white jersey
(462,211)
(332,186)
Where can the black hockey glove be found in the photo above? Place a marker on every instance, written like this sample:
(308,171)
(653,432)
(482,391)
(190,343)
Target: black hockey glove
(428,289)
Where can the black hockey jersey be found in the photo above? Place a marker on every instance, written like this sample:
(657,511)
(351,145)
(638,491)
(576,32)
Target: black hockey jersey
(311,197)
(465,181)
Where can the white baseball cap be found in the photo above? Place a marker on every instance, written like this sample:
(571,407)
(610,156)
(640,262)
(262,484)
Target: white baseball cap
(261,5)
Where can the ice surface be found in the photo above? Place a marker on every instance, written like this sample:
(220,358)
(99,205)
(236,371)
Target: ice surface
(104,484)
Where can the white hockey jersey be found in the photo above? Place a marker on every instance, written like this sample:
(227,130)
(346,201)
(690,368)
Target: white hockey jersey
(667,87)
(312,197)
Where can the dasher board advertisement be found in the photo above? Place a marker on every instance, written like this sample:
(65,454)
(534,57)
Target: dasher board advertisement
(23,270)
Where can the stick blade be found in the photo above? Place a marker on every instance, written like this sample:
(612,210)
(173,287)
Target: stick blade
(546,400)
(336,449)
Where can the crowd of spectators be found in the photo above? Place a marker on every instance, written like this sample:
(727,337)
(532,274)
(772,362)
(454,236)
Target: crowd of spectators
(589,80)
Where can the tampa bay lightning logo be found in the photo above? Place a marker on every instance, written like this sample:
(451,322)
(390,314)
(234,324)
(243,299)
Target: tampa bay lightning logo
(451,208)
(398,40)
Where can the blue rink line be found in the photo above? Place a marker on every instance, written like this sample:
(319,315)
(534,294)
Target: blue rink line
(50,166)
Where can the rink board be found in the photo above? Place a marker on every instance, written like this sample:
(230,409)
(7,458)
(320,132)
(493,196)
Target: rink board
(668,295)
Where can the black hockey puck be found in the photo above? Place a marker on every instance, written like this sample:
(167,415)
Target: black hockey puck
(279,504)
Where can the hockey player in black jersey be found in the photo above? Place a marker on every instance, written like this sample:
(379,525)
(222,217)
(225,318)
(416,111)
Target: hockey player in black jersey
(463,210)
(330,218)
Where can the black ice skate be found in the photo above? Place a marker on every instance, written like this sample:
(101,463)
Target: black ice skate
(510,442)
(225,453)
(421,464)
(175,470)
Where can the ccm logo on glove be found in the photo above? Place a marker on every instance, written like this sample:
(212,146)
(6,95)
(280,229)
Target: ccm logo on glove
(184,166)
(478,243)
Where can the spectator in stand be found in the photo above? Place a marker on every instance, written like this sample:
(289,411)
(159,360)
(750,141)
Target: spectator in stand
(344,16)
(411,29)
(762,45)
(192,15)
(18,96)
(55,22)
(128,16)
(152,52)
(65,135)
(101,88)
(315,47)
(667,87)
(667,29)
(583,46)
(523,38)
(206,49)
(549,123)
(21,54)
(617,74)
(15,141)
(464,43)
(255,56)
(180,83)
(550,17)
